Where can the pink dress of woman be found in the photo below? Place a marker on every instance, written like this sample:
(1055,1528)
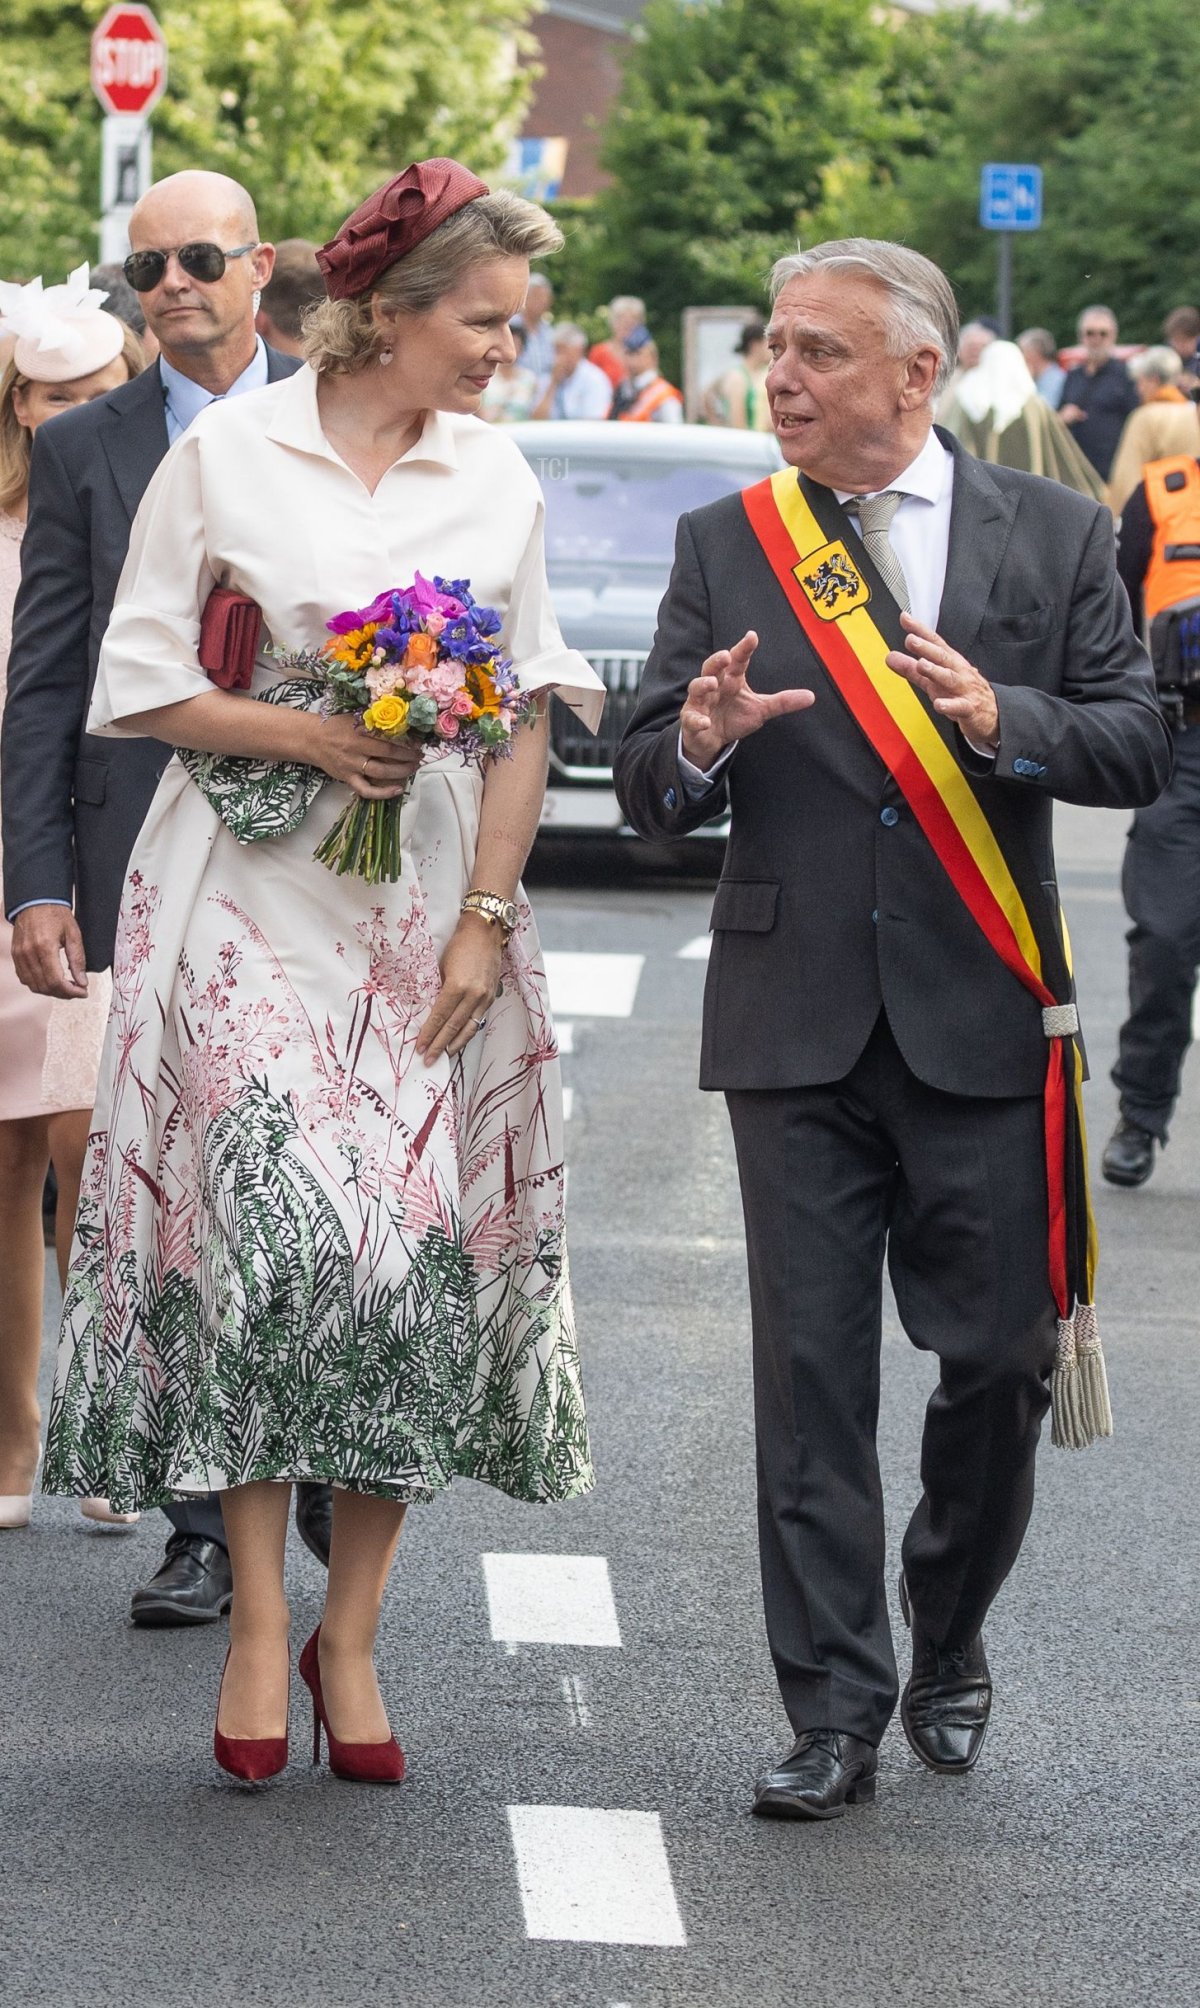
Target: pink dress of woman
(49,1050)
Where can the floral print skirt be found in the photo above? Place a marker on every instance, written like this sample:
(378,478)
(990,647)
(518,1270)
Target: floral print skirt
(301,1253)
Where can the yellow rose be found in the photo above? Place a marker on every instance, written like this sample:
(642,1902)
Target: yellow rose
(388,715)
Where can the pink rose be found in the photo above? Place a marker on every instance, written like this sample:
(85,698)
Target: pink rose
(447,725)
(461,705)
(435,623)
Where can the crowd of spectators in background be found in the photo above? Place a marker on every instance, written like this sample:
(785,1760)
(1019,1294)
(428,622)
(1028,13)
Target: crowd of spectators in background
(1120,411)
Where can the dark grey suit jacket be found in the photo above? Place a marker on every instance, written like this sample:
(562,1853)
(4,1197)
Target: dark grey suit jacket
(73,804)
(833,903)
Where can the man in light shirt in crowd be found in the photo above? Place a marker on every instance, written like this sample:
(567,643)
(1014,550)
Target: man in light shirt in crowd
(577,389)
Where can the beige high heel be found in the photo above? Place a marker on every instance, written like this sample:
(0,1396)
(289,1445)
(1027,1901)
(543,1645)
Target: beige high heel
(16,1508)
(102,1513)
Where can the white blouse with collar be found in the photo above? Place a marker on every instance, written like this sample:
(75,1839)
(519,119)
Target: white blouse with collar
(254,497)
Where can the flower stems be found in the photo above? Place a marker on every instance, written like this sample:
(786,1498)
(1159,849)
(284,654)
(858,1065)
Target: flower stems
(365,842)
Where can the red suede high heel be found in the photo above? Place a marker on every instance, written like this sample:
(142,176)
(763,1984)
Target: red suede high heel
(363,1763)
(250,1758)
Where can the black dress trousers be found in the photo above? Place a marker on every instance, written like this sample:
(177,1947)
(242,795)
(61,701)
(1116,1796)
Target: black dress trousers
(951,1192)
(1161,884)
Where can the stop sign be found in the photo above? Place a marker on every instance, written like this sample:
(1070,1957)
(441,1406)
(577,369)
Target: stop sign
(129,61)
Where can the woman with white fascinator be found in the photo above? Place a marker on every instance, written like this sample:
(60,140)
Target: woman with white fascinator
(65,351)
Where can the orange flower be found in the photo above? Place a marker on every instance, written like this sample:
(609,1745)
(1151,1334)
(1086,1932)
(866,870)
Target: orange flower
(421,653)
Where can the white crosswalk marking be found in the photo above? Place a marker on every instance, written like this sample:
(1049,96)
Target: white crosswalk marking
(551,1599)
(593,986)
(568,1095)
(594,1876)
(696,950)
(564,1032)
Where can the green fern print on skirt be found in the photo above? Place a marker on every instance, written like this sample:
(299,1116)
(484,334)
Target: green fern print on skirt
(300,1253)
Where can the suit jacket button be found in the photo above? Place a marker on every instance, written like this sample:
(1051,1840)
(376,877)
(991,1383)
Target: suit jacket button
(889,817)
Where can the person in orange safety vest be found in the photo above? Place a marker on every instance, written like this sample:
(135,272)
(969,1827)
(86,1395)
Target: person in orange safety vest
(1159,562)
(647,398)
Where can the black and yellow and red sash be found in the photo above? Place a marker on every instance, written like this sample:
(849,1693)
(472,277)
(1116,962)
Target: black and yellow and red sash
(852,621)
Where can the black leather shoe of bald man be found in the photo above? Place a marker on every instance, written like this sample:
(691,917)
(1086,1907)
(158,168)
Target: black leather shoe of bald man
(947,1702)
(825,1771)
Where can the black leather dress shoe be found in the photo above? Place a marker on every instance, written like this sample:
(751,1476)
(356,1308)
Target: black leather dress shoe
(825,1771)
(314,1519)
(1128,1155)
(947,1701)
(193,1587)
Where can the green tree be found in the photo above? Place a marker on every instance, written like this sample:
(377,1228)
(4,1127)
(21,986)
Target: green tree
(310,103)
(742,124)
(1103,97)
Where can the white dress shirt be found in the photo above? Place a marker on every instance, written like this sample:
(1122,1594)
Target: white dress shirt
(586,393)
(919,535)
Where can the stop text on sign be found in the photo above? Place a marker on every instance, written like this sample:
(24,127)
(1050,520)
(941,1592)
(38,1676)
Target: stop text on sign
(129,60)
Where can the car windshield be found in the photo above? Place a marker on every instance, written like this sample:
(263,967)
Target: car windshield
(623,511)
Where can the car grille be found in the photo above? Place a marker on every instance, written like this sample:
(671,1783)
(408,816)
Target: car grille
(579,755)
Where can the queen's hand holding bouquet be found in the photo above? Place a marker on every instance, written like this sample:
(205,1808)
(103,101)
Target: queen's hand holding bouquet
(422,662)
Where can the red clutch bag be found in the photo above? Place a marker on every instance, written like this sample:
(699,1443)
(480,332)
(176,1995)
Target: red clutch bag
(229,631)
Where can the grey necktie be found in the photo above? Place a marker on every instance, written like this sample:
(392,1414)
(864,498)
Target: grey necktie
(875,514)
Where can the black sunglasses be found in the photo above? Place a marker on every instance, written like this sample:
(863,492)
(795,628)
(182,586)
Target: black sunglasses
(206,262)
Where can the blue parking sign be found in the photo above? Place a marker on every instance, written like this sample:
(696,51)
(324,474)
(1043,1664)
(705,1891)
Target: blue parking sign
(1010,197)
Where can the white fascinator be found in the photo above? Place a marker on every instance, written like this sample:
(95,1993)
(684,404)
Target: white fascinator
(62,332)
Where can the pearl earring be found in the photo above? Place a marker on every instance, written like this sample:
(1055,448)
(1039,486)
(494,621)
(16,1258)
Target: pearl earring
(385,357)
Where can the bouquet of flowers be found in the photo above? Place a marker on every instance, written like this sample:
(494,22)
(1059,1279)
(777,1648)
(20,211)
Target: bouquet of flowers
(421,662)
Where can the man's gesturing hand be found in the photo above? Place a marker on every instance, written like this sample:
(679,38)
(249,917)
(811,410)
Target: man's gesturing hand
(956,687)
(47,951)
(720,706)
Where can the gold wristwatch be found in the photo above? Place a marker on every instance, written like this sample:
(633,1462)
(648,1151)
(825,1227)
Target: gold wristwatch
(501,913)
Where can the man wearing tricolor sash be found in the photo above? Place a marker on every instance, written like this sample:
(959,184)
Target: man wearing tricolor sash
(888,660)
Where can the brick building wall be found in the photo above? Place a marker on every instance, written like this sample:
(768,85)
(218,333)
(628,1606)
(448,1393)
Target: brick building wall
(581,74)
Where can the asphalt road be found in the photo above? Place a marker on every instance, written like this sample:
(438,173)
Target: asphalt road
(1063,1872)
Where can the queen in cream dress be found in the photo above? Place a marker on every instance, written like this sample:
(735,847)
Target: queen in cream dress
(301,1253)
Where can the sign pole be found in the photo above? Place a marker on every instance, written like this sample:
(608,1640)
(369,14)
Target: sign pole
(1004,282)
(125,174)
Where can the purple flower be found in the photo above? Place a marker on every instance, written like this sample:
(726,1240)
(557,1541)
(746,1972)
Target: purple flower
(435,597)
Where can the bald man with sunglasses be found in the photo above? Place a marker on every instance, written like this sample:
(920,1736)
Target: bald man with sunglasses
(72,804)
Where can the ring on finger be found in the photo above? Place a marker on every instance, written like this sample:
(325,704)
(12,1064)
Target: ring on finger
(481,1022)
(366,763)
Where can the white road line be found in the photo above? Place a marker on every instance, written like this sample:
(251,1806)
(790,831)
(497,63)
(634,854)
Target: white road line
(568,1095)
(594,1876)
(593,986)
(551,1599)
(696,950)
(564,1032)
